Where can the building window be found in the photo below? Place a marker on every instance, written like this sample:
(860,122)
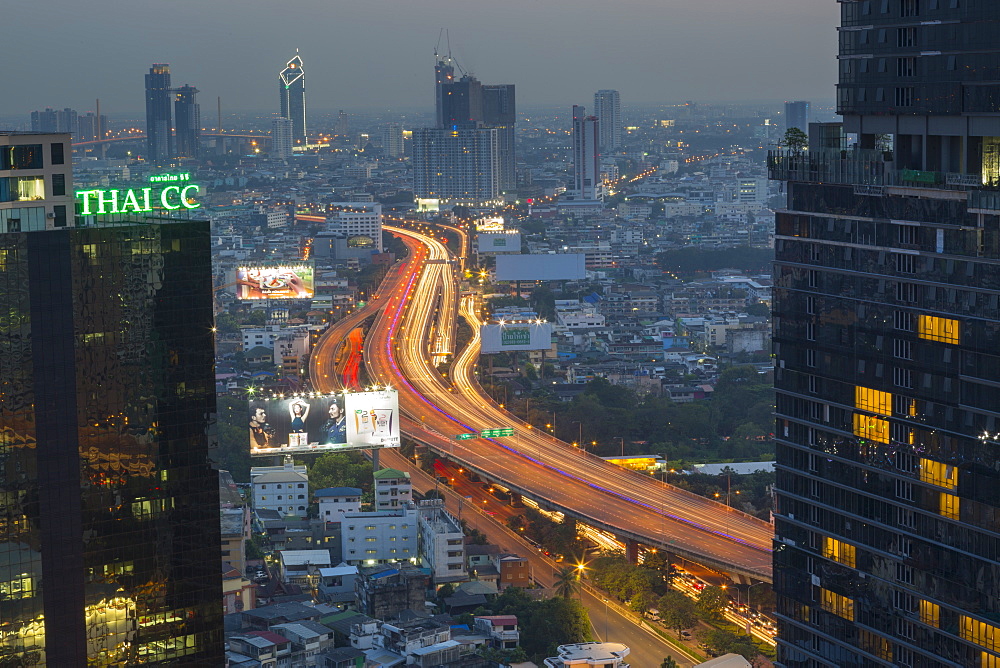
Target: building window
(24,156)
(934,328)
(58,185)
(902,349)
(59,215)
(930,613)
(938,473)
(22,188)
(902,377)
(905,37)
(905,518)
(810,357)
(904,67)
(904,574)
(949,506)
(904,490)
(980,633)
(839,551)
(837,604)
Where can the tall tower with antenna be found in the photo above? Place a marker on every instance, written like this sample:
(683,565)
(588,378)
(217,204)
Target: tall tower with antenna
(444,73)
(292,93)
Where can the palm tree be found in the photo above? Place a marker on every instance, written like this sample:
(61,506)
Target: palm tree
(567,582)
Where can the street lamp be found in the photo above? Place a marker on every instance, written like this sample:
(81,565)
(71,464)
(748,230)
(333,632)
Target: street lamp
(580,439)
(622,439)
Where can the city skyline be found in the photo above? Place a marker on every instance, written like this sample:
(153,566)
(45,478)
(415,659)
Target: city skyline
(395,52)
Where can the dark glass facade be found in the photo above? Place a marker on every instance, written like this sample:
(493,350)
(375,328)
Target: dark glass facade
(108,502)
(159,124)
(887,344)
(292,97)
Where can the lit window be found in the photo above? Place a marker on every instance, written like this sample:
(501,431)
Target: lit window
(839,551)
(981,633)
(933,328)
(930,613)
(872,428)
(837,604)
(938,473)
(875,401)
(949,506)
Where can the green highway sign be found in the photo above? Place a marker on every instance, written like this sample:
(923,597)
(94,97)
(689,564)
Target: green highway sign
(465,437)
(496,433)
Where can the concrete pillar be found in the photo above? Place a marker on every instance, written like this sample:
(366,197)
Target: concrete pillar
(631,551)
(515,500)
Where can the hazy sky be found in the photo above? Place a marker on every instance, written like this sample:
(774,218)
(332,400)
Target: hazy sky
(363,54)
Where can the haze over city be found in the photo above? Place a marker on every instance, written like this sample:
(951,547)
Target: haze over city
(376,54)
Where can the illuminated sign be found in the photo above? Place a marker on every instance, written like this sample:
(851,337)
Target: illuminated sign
(292,281)
(179,195)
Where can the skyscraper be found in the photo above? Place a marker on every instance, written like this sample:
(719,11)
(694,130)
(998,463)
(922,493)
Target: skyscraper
(797,115)
(292,92)
(500,113)
(586,156)
(54,120)
(159,126)
(444,73)
(392,140)
(187,115)
(281,138)
(886,325)
(108,502)
(608,109)
(460,166)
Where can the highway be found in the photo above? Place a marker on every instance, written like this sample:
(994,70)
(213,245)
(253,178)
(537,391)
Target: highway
(398,353)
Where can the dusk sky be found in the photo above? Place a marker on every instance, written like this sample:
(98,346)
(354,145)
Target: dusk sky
(371,54)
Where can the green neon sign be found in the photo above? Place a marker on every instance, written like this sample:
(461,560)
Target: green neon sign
(141,200)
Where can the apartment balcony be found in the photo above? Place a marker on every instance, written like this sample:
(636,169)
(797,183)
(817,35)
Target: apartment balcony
(860,168)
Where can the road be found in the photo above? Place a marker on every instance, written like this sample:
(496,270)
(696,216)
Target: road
(608,621)
(533,463)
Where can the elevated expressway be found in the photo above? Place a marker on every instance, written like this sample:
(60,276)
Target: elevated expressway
(638,509)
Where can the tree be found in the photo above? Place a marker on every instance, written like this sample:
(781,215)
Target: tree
(567,582)
(759,309)
(795,139)
(712,601)
(668,662)
(677,611)
(340,469)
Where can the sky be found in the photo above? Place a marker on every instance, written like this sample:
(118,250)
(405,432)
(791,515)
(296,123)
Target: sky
(378,54)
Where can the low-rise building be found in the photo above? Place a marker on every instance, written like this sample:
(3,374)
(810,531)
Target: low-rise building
(336,584)
(335,501)
(392,489)
(501,629)
(284,490)
(270,649)
(385,591)
(583,654)
(515,571)
(442,542)
(379,537)
(301,567)
(309,640)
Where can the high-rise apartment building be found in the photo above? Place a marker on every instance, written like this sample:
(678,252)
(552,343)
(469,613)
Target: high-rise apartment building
(109,503)
(159,124)
(608,109)
(392,140)
(292,94)
(187,116)
(797,115)
(54,120)
(500,113)
(459,166)
(887,332)
(444,73)
(36,177)
(587,183)
(91,126)
(281,138)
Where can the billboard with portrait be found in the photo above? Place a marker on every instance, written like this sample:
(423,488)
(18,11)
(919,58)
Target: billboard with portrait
(285,281)
(323,422)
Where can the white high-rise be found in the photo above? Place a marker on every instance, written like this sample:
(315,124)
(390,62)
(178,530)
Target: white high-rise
(281,138)
(608,109)
(392,140)
(587,183)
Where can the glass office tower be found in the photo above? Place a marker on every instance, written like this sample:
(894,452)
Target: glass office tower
(292,97)
(159,123)
(887,344)
(108,503)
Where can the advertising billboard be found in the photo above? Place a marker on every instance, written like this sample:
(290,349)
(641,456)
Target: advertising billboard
(542,267)
(515,336)
(499,242)
(324,423)
(287,281)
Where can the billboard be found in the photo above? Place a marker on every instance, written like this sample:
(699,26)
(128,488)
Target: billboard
(499,242)
(541,267)
(286,281)
(516,336)
(323,423)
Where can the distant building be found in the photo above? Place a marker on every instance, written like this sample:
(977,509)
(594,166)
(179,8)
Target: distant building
(587,183)
(379,537)
(54,120)
(392,140)
(159,123)
(281,138)
(459,166)
(359,222)
(90,126)
(797,115)
(608,109)
(187,121)
(335,501)
(292,97)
